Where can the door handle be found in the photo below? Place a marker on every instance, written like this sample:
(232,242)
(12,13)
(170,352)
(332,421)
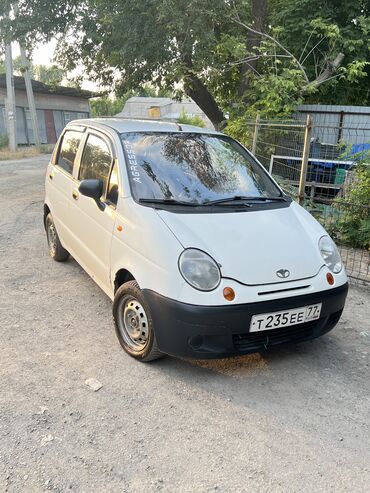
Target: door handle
(75,194)
(51,176)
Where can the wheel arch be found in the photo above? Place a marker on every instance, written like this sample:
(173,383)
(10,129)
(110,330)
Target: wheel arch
(46,212)
(122,276)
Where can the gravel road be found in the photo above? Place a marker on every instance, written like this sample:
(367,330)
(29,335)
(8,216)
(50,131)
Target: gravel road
(292,420)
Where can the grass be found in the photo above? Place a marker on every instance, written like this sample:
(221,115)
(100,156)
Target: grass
(24,152)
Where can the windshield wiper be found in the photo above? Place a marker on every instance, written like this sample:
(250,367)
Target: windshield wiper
(241,198)
(168,202)
(243,201)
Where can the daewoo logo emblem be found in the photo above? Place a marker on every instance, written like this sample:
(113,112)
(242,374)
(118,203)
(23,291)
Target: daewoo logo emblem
(283,273)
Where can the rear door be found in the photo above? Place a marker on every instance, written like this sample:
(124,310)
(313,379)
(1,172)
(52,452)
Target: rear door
(91,227)
(60,182)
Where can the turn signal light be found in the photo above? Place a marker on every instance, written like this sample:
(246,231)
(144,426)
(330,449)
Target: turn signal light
(229,294)
(330,278)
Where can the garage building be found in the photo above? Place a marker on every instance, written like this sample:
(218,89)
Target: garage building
(56,106)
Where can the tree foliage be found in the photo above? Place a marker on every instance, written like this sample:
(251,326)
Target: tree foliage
(190,119)
(330,27)
(348,218)
(106,106)
(51,75)
(110,106)
(231,57)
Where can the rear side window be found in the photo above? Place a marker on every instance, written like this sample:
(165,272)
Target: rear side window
(68,150)
(96,160)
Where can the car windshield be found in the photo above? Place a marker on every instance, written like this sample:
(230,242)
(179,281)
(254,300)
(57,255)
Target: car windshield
(193,168)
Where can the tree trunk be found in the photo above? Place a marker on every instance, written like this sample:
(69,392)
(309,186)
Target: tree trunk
(259,21)
(197,91)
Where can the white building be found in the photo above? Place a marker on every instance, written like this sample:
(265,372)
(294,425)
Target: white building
(161,109)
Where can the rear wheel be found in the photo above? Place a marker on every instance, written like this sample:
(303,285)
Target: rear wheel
(134,326)
(56,250)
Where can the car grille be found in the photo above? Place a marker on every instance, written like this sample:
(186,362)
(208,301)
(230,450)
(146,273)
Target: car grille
(256,341)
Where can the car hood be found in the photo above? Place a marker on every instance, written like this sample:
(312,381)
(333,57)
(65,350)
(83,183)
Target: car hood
(252,246)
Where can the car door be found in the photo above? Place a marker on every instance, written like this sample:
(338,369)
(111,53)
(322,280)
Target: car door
(60,182)
(92,228)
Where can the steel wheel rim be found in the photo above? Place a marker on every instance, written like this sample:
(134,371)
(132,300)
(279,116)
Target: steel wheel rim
(133,323)
(52,238)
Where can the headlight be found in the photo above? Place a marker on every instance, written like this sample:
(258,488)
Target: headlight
(330,254)
(199,270)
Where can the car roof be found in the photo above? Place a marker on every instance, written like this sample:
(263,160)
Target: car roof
(123,125)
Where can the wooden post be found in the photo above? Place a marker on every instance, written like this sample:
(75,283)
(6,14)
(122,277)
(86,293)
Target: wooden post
(305,156)
(255,135)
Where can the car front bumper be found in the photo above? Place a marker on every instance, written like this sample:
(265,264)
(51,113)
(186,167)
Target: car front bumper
(205,332)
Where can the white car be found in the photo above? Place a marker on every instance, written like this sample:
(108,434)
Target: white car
(202,253)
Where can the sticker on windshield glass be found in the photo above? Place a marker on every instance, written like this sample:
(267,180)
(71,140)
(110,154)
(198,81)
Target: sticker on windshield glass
(133,166)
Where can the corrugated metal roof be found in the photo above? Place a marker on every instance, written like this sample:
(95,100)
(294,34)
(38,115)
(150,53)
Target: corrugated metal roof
(40,87)
(149,100)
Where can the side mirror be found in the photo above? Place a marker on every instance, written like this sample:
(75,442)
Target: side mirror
(94,190)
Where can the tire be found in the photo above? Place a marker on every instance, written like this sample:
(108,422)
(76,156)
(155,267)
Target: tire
(56,250)
(133,323)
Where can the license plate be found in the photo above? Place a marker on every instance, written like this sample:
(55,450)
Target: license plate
(270,321)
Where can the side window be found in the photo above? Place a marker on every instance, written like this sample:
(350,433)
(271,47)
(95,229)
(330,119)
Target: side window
(68,150)
(96,160)
(112,192)
(68,117)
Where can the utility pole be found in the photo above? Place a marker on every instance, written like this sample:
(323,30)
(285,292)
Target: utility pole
(30,96)
(10,99)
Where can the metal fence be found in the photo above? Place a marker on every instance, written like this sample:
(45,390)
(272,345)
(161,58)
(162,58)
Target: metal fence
(324,173)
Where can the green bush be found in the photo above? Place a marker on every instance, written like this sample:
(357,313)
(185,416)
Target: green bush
(347,219)
(288,188)
(350,221)
(353,224)
(190,120)
(106,106)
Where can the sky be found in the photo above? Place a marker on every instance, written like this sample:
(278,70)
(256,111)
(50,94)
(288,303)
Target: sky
(43,55)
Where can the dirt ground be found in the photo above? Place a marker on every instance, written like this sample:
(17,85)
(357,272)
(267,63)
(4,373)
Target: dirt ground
(292,420)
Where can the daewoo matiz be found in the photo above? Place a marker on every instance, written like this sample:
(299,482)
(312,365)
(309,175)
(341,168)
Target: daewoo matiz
(200,250)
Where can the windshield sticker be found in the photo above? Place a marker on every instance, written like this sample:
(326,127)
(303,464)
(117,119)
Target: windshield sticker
(134,168)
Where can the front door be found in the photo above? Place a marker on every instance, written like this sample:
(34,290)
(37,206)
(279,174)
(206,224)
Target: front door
(60,183)
(92,228)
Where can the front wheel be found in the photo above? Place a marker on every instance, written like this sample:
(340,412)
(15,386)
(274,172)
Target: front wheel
(133,323)
(56,249)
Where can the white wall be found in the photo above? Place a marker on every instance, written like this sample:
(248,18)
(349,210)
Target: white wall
(49,101)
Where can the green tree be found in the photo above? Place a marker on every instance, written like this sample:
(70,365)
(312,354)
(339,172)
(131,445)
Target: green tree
(190,120)
(51,75)
(314,51)
(229,57)
(330,27)
(106,106)
(111,105)
(16,66)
